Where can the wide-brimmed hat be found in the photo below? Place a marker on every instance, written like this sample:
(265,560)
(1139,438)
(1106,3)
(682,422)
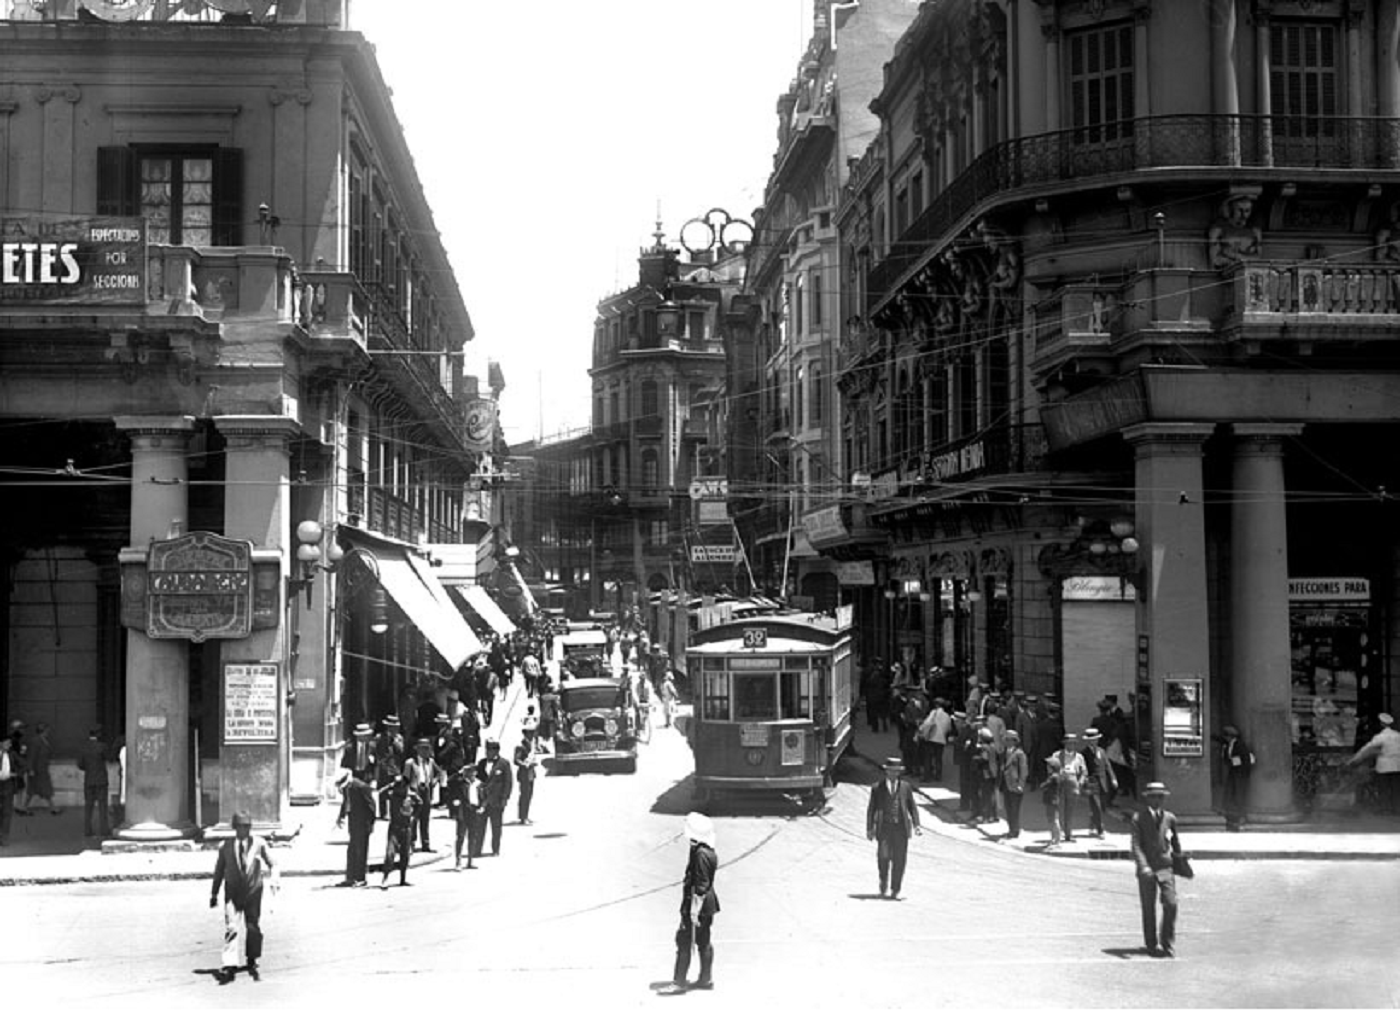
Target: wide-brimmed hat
(363,729)
(1092,734)
(342,777)
(392,720)
(1156,787)
(699,829)
(1069,736)
(893,762)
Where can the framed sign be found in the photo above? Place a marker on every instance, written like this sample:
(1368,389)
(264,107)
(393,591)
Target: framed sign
(250,703)
(792,748)
(1183,717)
(751,735)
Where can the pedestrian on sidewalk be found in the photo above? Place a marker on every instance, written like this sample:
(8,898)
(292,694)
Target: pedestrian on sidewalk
(357,807)
(19,764)
(964,744)
(358,756)
(1050,797)
(699,904)
(464,802)
(243,865)
(935,732)
(40,782)
(388,759)
(890,818)
(1099,782)
(986,766)
(93,763)
(669,698)
(7,791)
(1015,772)
(403,808)
(1155,842)
(1236,761)
(527,765)
(495,774)
(1385,748)
(1072,775)
(530,672)
(423,773)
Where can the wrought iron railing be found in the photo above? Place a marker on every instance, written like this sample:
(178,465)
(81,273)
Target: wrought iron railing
(418,373)
(1084,154)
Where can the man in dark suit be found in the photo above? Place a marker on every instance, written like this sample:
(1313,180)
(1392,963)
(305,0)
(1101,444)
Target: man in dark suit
(358,756)
(1155,840)
(1235,763)
(244,863)
(699,904)
(357,805)
(93,763)
(889,819)
(496,777)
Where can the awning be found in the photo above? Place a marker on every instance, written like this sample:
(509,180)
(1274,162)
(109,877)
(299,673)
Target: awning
(424,601)
(480,602)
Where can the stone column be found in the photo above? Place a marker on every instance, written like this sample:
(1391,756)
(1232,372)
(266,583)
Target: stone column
(1172,610)
(1052,77)
(157,670)
(1261,690)
(1264,88)
(254,777)
(1388,57)
(1225,84)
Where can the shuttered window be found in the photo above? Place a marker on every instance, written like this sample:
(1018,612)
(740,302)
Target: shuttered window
(191,197)
(1101,83)
(1303,78)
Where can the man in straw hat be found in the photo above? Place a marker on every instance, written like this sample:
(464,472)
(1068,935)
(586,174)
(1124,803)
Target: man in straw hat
(1155,840)
(357,806)
(699,904)
(1072,776)
(890,818)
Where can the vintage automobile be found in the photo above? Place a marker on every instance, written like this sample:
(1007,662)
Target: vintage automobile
(581,652)
(596,727)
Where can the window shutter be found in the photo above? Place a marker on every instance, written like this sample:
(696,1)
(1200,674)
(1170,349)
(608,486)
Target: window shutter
(117,187)
(228,197)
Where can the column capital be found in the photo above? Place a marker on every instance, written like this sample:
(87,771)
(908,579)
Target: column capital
(249,430)
(1144,435)
(154,425)
(1265,431)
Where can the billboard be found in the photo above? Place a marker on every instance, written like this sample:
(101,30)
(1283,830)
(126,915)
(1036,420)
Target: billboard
(68,260)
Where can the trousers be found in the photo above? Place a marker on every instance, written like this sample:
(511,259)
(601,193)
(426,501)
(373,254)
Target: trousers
(693,933)
(357,854)
(1012,800)
(1149,886)
(95,795)
(891,855)
(494,815)
(243,937)
(526,795)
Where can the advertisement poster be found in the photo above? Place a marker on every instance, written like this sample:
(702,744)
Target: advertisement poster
(1183,718)
(792,750)
(65,260)
(250,703)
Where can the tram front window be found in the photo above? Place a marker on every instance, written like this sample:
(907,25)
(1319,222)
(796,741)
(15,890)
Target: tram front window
(755,698)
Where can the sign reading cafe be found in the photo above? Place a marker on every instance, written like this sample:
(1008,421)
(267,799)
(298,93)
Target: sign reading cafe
(65,260)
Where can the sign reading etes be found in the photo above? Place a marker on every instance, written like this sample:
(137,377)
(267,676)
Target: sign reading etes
(52,259)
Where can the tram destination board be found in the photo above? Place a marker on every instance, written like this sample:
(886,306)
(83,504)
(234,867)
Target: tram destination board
(756,639)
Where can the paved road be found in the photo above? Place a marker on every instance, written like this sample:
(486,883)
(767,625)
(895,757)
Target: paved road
(580,908)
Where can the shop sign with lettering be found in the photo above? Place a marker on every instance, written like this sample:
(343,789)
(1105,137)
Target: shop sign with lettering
(66,260)
(964,460)
(199,587)
(825,524)
(1330,588)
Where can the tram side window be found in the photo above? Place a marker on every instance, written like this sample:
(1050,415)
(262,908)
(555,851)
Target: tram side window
(754,698)
(795,702)
(714,694)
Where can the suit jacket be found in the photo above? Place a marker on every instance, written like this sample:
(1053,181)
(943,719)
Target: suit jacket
(93,763)
(700,882)
(358,806)
(242,881)
(358,756)
(496,790)
(1155,840)
(888,810)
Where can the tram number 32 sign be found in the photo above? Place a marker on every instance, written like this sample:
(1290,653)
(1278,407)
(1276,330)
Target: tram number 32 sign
(756,639)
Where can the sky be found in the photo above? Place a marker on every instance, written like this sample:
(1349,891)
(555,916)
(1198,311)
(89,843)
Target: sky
(545,132)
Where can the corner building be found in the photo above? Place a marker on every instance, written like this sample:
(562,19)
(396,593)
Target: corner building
(1120,280)
(230,430)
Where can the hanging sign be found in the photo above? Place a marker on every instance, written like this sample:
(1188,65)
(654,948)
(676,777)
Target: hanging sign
(199,587)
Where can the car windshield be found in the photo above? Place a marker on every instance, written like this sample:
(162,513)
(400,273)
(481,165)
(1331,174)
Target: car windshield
(599,697)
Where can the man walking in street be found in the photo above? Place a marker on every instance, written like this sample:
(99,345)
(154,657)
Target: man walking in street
(422,772)
(244,863)
(93,763)
(464,801)
(356,806)
(1072,775)
(1155,840)
(403,806)
(1099,783)
(495,774)
(699,904)
(527,765)
(669,698)
(890,818)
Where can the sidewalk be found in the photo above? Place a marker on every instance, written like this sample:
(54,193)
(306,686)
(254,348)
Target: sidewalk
(1342,837)
(45,849)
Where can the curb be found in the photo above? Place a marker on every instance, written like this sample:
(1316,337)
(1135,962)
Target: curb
(181,876)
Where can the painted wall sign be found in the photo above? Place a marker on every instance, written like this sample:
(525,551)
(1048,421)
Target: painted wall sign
(1336,588)
(965,459)
(250,703)
(65,260)
(199,587)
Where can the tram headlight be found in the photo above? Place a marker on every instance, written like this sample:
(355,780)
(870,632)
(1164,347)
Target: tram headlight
(576,729)
(610,726)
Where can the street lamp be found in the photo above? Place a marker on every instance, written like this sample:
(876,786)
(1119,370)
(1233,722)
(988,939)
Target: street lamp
(309,535)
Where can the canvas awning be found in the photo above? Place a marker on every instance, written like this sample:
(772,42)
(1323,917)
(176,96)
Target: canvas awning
(481,602)
(409,580)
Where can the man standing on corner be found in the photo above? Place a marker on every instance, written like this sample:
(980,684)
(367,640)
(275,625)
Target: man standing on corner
(889,819)
(1155,840)
(1235,761)
(495,774)
(93,763)
(358,806)
(244,862)
(699,904)
(526,767)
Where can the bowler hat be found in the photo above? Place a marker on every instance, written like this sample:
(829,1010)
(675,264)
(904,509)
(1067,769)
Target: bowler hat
(492,743)
(242,819)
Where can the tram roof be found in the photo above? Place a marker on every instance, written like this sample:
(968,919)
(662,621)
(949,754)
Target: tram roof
(793,632)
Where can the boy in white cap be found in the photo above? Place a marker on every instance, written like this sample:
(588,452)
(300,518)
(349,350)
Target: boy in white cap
(699,904)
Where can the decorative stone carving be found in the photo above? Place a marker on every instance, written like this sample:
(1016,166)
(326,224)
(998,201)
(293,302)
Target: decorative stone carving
(1232,239)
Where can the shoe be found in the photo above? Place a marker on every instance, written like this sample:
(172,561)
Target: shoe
(671,988)
(702,985)
(1168,952)
(224,976)
(253,971)
(384,886)
(405,884)
(1152,951)
(362,884)
(894,895)
(344,885)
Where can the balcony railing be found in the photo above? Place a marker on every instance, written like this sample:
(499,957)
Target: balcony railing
(416,374)
(1357,292)
(1084,154)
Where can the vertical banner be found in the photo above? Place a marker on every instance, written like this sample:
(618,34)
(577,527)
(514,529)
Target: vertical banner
(481,425)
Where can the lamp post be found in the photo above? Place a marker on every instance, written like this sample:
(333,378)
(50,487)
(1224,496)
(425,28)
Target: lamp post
(890,595)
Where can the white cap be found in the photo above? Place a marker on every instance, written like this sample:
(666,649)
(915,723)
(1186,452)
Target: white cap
(700,829)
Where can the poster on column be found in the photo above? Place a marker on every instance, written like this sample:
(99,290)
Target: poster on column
(250,703)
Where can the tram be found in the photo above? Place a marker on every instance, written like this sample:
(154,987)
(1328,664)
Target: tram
(773,697)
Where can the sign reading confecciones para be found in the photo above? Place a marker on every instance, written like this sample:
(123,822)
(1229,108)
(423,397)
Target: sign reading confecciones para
(67,260)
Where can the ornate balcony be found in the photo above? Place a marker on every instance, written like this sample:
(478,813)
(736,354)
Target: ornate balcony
(1200,147)
(412,370)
